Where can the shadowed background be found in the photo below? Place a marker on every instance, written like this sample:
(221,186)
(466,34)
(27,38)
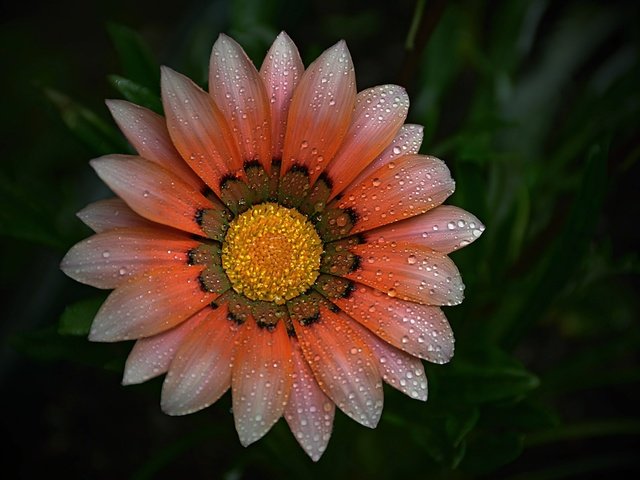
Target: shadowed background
(534,105)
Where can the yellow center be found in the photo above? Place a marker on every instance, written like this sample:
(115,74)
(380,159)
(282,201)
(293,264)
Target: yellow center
(271,253)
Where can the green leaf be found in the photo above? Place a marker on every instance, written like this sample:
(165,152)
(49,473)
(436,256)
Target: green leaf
(522,415)
(95,133)
(77,318)
(490,450)
(476,383)
(136,93)
(459,424)
(568,249)
(136,58)
(26,217)
(47,345)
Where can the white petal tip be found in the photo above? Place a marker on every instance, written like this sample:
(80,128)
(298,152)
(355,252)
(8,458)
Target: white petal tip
(126,381)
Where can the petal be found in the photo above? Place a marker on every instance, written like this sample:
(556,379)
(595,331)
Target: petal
(406,142)
(151,356)
(281,72)
(409,186)
(261,379)
(152,191)
(409,272)
(402,371)
(111,213)
(147,132)
(320,111)
(150,304)
(200,372)
(420,330)
(236,87)
(343,365)
(444,229)
(379,113)
(309,412)
(198,129)
(109,259)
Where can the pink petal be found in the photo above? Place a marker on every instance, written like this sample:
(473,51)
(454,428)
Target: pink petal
(200,372)
(406,142)
(111,213)
(150,304)
(198,129)
(410,272)
(261,379)
(151,356)
(444,229)
(421,330)
(343,365)
(281,71)
(147,132)
(379,113)
(236,87)
(109,259)
(411,185)
(152,191)
(320,111)
(309,411)
(402,371)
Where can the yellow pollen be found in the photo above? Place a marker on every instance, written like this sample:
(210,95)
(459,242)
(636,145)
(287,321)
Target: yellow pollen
(271,253)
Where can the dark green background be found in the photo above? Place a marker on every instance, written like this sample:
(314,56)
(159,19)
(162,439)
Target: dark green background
(535,107)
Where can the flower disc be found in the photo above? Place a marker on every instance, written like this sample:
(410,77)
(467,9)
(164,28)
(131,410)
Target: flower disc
(271,253)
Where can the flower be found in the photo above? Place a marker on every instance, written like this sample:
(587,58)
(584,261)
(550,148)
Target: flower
(279,236)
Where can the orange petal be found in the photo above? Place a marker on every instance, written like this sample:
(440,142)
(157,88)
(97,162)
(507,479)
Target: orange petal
(421,330)
(198,129)
(406,142)
(109,259)
(152,191)
(402,371)
(200,372)
(379,113)
(261,379)
(343,365)
(409,272)
(281,71)
(409,186)
(444,229)
(111,213)
(147,132)
(309,411)
(320,111)
(236,87)
(151,356)
(150,304)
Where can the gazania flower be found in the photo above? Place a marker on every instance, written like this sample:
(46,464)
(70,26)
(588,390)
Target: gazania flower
(279,236)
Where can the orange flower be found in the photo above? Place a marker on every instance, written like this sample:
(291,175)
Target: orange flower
(279,235)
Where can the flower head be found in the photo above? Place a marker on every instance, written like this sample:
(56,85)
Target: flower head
(279,236)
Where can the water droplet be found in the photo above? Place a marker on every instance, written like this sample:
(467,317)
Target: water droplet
(411,259)
(106,254)
(397,150)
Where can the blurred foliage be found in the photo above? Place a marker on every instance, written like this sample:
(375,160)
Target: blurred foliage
(535,107)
